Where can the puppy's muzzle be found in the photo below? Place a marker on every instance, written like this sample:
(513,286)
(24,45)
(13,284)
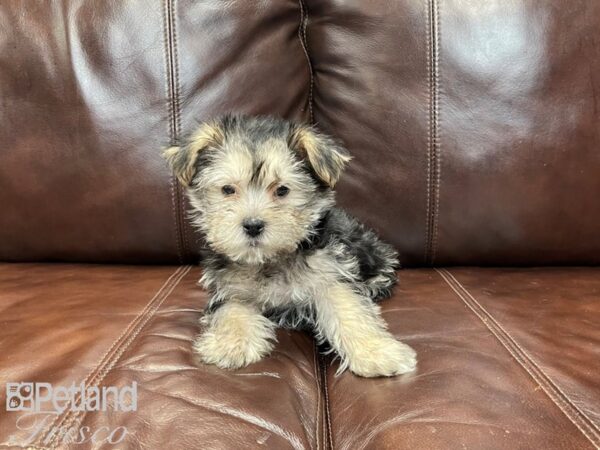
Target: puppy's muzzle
(253,227)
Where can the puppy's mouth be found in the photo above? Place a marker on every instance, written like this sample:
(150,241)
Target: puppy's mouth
(254,242)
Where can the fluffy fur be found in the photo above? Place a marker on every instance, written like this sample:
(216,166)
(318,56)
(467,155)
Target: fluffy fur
(279,252)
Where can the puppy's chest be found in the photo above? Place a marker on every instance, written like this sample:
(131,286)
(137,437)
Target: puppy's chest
(274,284)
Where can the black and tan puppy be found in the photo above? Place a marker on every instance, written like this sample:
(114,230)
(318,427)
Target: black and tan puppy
(279,252)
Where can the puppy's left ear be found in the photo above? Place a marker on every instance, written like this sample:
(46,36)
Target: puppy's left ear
(326,157)
(182,159)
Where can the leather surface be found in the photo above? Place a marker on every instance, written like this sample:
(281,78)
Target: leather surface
(469,390)
(371,91)
(475,131)
(474,127)
(112,325)
(519,127)
(93,91)
(474,388)
(550,319)
(83,117)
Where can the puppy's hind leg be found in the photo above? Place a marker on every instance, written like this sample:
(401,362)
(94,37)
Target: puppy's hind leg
(235,335)
(352,325)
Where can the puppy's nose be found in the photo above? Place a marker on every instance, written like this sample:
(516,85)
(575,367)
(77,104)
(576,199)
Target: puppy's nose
(253,227)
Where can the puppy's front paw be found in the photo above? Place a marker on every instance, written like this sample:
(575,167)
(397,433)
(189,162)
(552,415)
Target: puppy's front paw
(234,345)
(387,358)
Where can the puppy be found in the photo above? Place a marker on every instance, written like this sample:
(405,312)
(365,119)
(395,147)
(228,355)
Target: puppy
(279,252)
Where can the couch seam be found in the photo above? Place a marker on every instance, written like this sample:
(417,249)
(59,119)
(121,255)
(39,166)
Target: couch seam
(428,144)
(327,429)
(433,141)
(172,180)
(304,44)
(172,88)
(177,97)
(522,357)
(103,372)
(291,438)
(118,347)
(112,346)
(318,384)
(28,447)
(303,25)
(437,143)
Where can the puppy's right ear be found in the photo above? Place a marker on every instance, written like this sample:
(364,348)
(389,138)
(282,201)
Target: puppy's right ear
(182,160)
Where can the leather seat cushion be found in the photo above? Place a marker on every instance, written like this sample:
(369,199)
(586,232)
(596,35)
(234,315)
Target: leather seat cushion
(507,359)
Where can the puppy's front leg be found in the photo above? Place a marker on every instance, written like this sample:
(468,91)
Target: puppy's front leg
(235,335)
(354,328)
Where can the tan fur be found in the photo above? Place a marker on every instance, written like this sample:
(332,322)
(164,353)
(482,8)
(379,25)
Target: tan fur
(354,328)
(209,134)
(279,252)
(287,220)
(311,146)
(235,336)
(350,322)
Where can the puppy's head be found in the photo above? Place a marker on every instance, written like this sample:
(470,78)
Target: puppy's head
(257,185)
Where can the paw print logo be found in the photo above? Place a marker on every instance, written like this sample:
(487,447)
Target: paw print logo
(19,397)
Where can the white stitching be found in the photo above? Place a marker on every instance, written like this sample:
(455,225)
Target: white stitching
(436,141)
(317,376)
(80,415)
(125,331)
(304,44)
(544,381)
(433,141)
(177,126)
(429,124)
(123,341)
(27,447)
(172,106)
(327,409)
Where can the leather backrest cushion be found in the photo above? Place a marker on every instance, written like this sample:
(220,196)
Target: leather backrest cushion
(475,126)
(90,91)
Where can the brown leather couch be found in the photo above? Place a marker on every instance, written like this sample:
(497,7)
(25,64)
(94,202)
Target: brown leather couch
(475,128)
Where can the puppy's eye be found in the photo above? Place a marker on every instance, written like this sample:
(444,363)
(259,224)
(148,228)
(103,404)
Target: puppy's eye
(228,190)
(282,191)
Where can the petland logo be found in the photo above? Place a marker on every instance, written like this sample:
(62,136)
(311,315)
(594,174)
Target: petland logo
(40,402)
(43,397)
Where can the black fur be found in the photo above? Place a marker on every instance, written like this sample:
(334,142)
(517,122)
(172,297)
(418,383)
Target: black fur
(374,257)
(372,254)
(376,261)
